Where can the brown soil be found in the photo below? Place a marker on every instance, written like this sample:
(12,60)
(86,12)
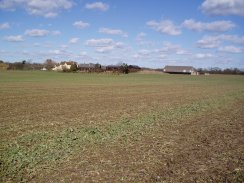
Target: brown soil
(39,108)
(204,148)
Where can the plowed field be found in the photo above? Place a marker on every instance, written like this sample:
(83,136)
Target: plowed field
(73,127)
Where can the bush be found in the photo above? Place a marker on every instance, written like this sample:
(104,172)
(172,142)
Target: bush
(124,68)
(73,68)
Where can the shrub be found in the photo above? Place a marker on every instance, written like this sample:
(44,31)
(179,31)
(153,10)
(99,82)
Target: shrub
(124,68)
(73,68)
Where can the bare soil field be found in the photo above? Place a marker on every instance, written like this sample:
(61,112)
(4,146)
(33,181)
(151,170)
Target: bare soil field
(73,127)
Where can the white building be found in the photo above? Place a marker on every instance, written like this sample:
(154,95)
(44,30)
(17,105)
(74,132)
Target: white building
(62,66)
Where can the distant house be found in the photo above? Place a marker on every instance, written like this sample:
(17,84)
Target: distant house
(87,67)
(3,66)
(180,70)
(113,68)
(63,66)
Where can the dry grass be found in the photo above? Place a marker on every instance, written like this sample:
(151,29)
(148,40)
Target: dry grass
(97,127)
(150,72)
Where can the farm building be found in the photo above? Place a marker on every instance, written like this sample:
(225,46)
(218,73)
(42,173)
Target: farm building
(63,65)
(3,66)
(87,67)
(180,70)
(92,67)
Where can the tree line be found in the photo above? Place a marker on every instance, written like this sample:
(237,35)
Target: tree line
(49,64)
(217,70)
(122,67)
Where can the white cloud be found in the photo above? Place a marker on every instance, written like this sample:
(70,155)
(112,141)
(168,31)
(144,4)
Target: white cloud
(64,46)
(83,53)
(223,7)
(81,24)
(145,52)
(74,40)
(218,26)
(113,32)
(17,38)
(232,38)
(56,33)
(36,32)
(230,49)
(215,41)
(140,36)
(97,5)
(3,51)
(168,49)
(45,8)
(165,26)
(105,49)
(104,45)
(181,51)
(56,52)
(119,45)
(4,26)
(208,42)
(99,42)
(37,44)
(203,55)
(150,55)
(140,39)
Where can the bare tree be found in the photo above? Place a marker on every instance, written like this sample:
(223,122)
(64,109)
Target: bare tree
(49,64)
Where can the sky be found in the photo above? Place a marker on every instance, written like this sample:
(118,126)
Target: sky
(148,33)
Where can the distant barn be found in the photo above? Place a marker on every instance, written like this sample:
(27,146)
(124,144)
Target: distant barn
(180,70)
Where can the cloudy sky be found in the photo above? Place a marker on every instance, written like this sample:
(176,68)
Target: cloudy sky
(149,33)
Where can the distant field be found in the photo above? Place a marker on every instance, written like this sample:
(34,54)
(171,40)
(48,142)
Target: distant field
(73,127)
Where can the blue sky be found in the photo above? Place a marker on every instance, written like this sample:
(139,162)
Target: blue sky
(200,33)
